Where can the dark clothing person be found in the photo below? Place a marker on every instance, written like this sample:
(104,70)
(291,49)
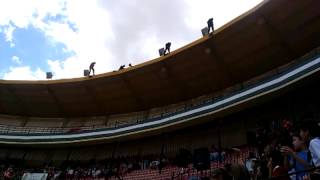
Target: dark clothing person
(277,167)
(238,172)
(210,25)
(91,68)
(167,48)
(121,67)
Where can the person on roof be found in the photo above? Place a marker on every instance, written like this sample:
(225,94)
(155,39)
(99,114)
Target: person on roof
(91,68)
(167,48)
(210,25)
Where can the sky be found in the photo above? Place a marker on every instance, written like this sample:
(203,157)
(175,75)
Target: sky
(65,36)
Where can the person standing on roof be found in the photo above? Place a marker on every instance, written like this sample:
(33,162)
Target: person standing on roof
(91,68)
(210,25)
(167,48)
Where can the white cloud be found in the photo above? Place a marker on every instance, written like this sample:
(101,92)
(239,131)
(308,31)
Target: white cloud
(16,60)
(24,73)
(21,13)
(68,68)
(87,42)
(9,32)
(222,11)
(129,32)
(138,25)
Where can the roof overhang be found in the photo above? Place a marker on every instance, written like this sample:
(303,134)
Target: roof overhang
(266,37)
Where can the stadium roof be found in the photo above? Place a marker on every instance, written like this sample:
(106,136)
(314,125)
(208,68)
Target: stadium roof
(268,36)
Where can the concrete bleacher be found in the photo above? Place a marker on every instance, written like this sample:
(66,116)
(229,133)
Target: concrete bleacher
(12,120)
(23,125)
(166,174)
(44,122)
(175,172)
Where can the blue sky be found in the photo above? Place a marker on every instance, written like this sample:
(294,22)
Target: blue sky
(31,48)
(64,36)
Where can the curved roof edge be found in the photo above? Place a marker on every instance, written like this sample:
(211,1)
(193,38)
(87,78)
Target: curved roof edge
(141,65)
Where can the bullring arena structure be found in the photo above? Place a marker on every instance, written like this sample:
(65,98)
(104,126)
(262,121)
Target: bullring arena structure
(162,119)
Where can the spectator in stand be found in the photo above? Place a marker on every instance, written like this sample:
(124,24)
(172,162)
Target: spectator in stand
(154,164)
(70,173)
(287,125)
(250,163)
(261,137)
(220,174)
(50,173)
(214,154)
(310,132)
(276,166)
(223,155)
(8,174)
(239,172)
(296,159)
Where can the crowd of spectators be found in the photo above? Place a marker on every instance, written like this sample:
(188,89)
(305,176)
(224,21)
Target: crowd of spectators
(284,150)
(112,167)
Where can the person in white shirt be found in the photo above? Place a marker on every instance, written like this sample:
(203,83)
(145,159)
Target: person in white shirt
(310,132)
(314,148)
